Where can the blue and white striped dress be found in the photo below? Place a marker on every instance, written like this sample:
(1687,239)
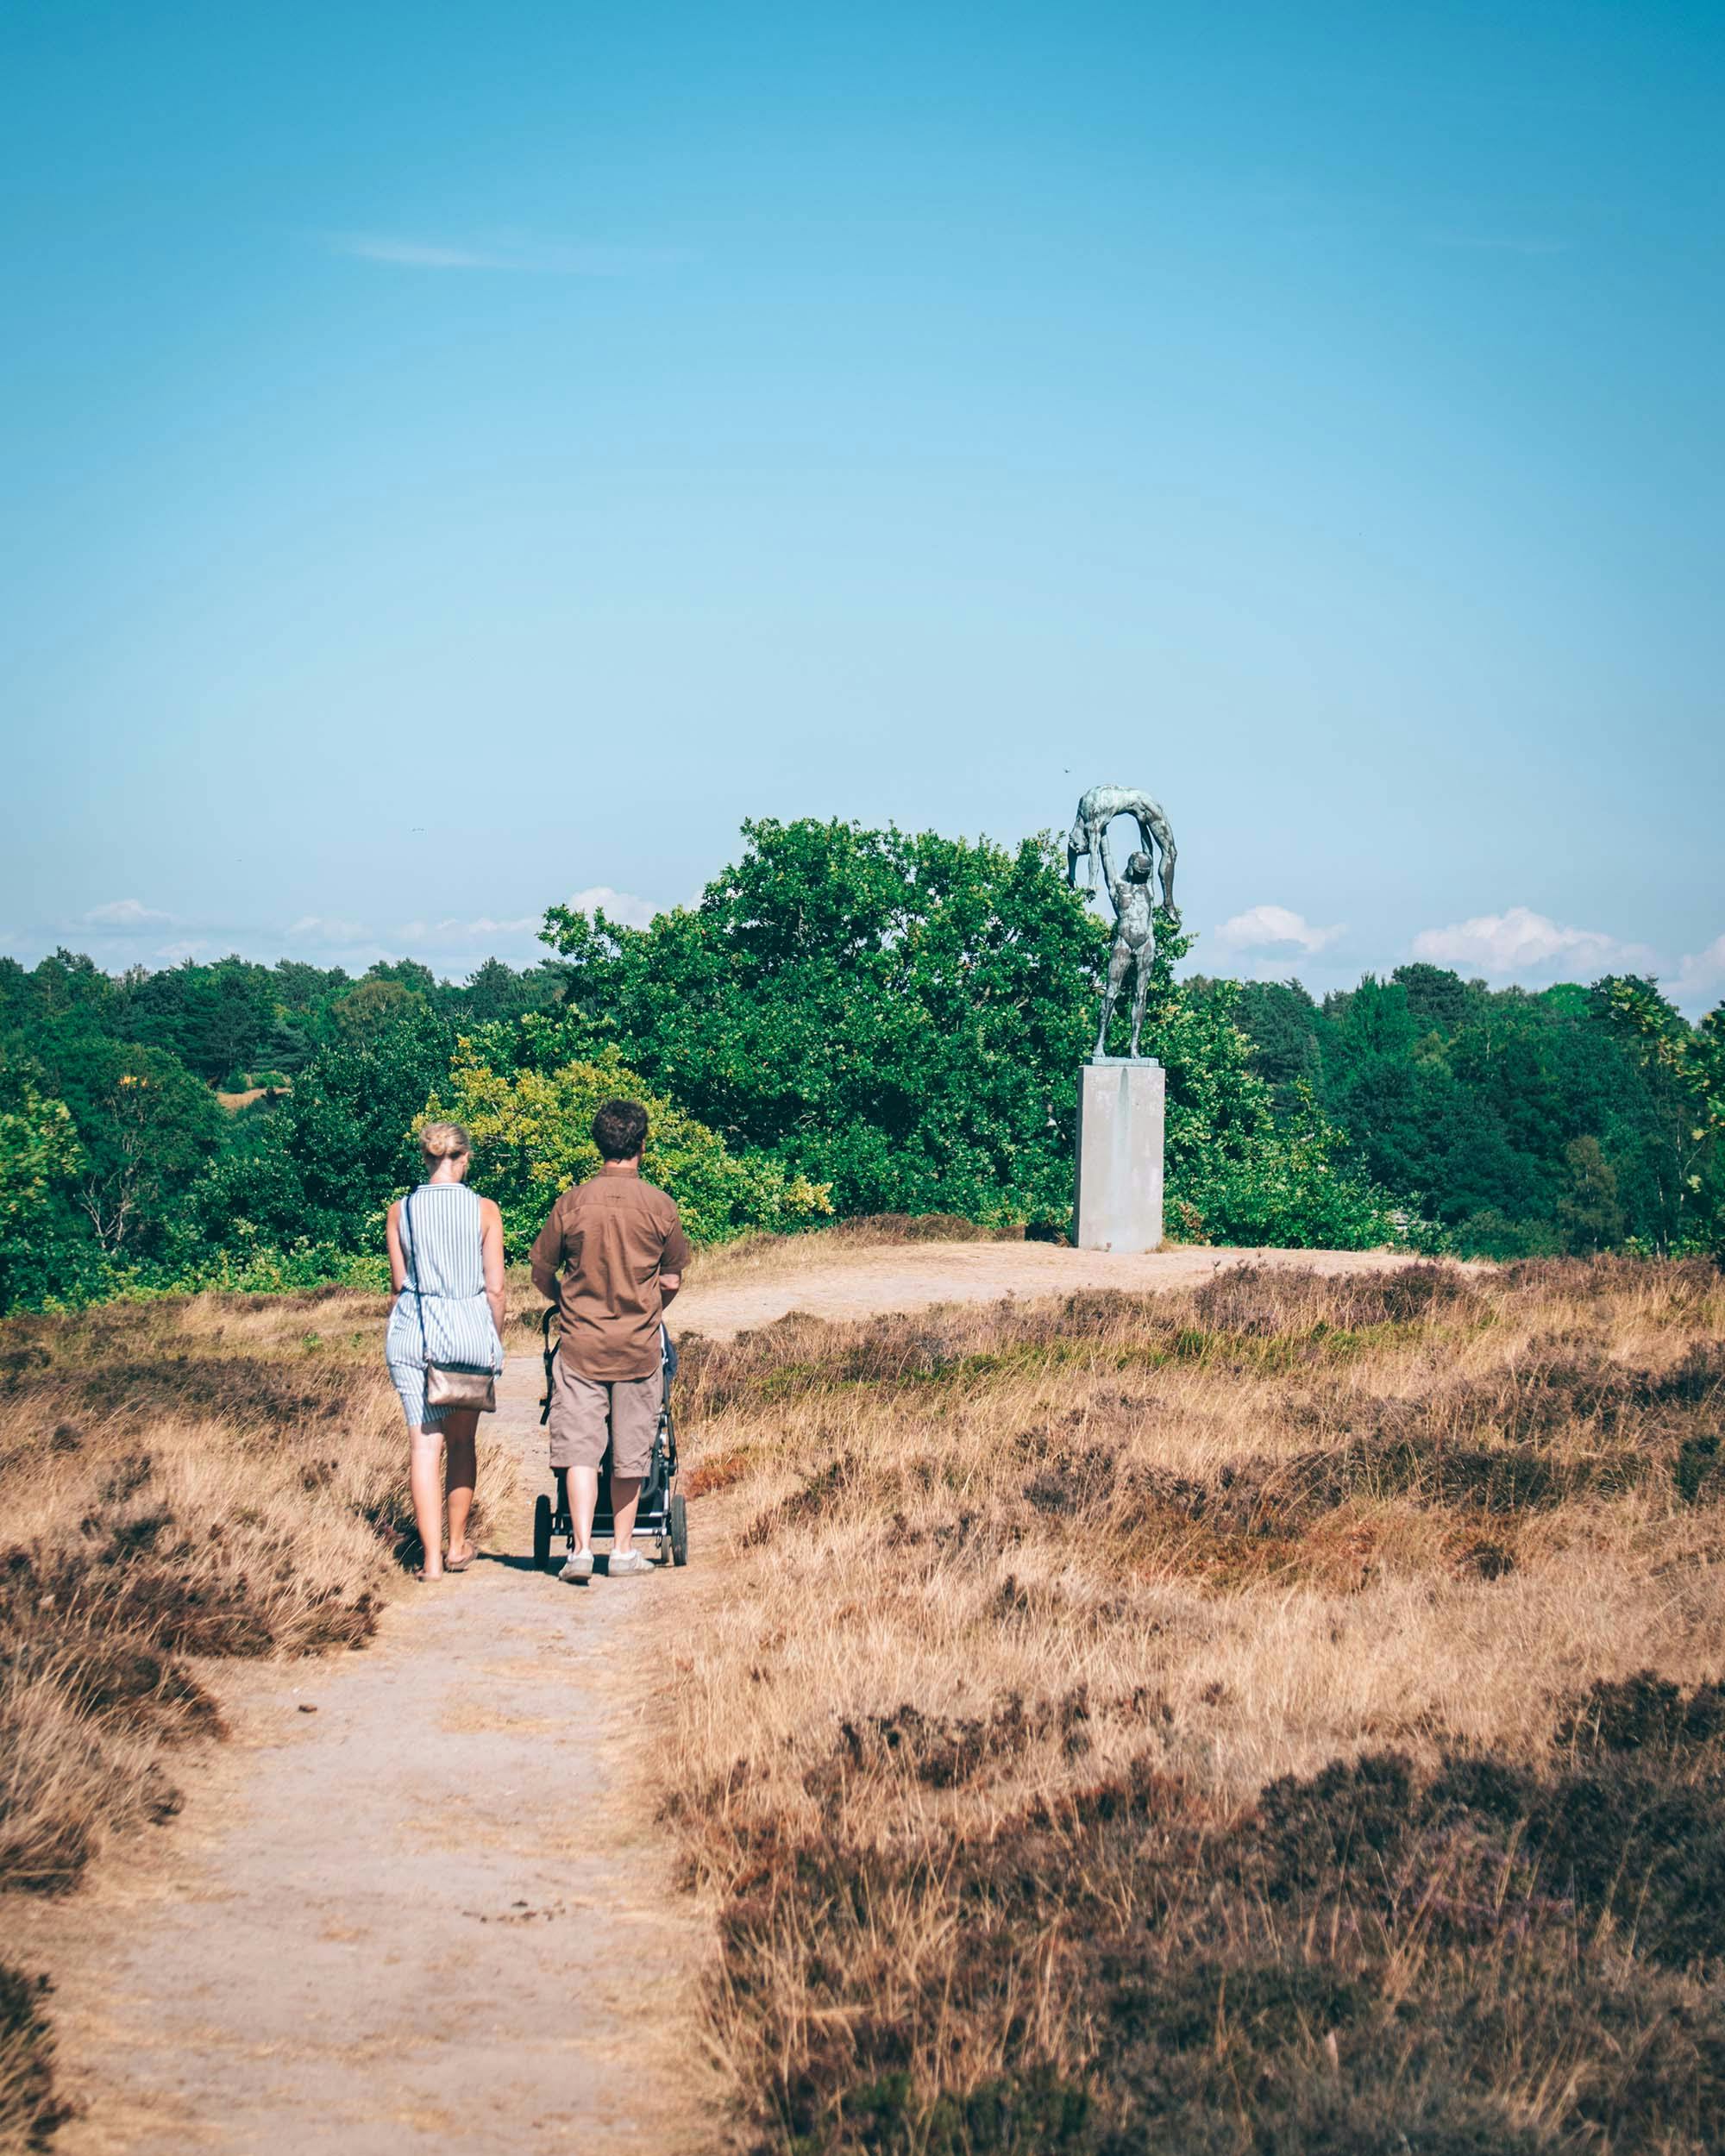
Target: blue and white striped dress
(446,1280)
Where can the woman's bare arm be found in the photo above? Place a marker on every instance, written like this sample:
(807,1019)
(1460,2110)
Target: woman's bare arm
(491,1249)
(398,1263)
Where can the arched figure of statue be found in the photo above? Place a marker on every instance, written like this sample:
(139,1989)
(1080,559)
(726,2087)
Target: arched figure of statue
(1089,835)
(1134,945)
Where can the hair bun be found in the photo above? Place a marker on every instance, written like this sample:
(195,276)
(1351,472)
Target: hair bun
(444,1141)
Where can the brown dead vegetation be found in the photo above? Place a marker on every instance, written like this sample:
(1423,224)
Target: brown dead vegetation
(223,1475)
(1280,1717)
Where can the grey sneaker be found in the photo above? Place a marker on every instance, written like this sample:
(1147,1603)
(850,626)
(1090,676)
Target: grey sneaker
(579,1566)
(625,1564)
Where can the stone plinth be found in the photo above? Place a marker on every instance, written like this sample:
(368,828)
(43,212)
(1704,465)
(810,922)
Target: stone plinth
(1121,1109)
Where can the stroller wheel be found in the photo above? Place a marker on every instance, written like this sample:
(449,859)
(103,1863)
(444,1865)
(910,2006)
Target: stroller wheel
(678,1522)
(541,1533)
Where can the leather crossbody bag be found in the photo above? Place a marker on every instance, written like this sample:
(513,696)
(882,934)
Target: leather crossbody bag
(448,1384)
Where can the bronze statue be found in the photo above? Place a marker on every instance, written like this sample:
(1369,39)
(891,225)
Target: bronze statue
(1089,835)
(1134,942)
(1134,945)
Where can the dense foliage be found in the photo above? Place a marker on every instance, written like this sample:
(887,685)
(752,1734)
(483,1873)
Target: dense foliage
(846,1022)
(898,1016)
(901,1016)
(228,1124)
(531,1136)
(1519,1124)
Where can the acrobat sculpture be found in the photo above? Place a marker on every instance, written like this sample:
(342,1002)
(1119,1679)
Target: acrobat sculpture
(1134,944)
(1121,1099)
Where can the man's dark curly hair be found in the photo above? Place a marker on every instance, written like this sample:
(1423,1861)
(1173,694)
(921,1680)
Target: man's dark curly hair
(619,1130)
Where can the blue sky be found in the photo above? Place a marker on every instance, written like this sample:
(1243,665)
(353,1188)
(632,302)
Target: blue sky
(461,458)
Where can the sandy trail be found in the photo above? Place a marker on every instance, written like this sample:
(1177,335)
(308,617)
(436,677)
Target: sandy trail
(840,1282)
(436,1915)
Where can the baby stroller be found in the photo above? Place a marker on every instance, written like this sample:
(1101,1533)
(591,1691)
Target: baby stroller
(660,1515)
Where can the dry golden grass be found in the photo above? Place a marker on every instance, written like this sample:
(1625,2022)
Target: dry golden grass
(183,1480)
(1212,1721)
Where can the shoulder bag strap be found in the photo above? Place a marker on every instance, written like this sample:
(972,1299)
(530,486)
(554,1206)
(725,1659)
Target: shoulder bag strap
(413,1254)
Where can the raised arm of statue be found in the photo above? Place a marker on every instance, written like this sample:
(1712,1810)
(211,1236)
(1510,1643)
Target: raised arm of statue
(1109,879)
(1089,837)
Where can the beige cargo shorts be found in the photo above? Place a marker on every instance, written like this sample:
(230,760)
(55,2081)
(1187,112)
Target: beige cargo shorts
(586,1411)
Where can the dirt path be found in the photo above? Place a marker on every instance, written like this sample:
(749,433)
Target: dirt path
(432,1915)
(860,1281)
(435,1913)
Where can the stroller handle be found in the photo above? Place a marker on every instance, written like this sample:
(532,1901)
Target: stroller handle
(667,1357)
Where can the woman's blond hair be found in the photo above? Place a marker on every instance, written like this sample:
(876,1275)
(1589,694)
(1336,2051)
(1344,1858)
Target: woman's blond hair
(444,1141)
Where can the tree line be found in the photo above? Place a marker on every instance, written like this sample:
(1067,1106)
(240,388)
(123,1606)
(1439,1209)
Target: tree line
(1514,1123)
(847,1022)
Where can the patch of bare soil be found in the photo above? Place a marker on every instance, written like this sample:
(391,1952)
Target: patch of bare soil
(826,1277)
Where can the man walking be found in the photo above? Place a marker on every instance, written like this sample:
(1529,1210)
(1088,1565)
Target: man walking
(620,1249)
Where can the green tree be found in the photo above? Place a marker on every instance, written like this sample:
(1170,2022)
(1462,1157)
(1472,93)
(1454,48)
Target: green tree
(372,1008)
(1588,1211)
(900,1017)
(39,1159)
(215,1018)
(320,1166)
(1235,1173)
(286,1047)
(904,1018)
(1464,1102)
(1438,1000)
(1378,1018)
(496,990)
(1690,1062)
(146,1128)
(532,1140)
(67,984)
(405,973)
(1283,1025)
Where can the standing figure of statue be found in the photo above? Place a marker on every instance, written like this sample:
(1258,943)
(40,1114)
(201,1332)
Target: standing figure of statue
(1134,945)
(1089,835)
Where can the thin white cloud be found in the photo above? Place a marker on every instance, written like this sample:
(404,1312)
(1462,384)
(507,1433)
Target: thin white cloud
(1519,941)
(126,913)
(514,253)
(1702,973)
(479,931)
(622,907)
(187,947)
(320,928)
(1274,928)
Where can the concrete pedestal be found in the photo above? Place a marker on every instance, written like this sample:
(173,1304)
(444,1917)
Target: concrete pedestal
(1121,1104)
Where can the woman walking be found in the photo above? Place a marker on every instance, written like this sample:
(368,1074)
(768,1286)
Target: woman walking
(446,1267)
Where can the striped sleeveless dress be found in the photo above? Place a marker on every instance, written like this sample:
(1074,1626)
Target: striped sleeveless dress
(439,1225)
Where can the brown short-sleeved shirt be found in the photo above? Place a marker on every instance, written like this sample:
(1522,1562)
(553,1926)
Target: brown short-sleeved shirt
(610,1238)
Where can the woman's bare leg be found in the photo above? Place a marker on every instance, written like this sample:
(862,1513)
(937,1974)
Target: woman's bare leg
(425,1481)
(461,1433)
